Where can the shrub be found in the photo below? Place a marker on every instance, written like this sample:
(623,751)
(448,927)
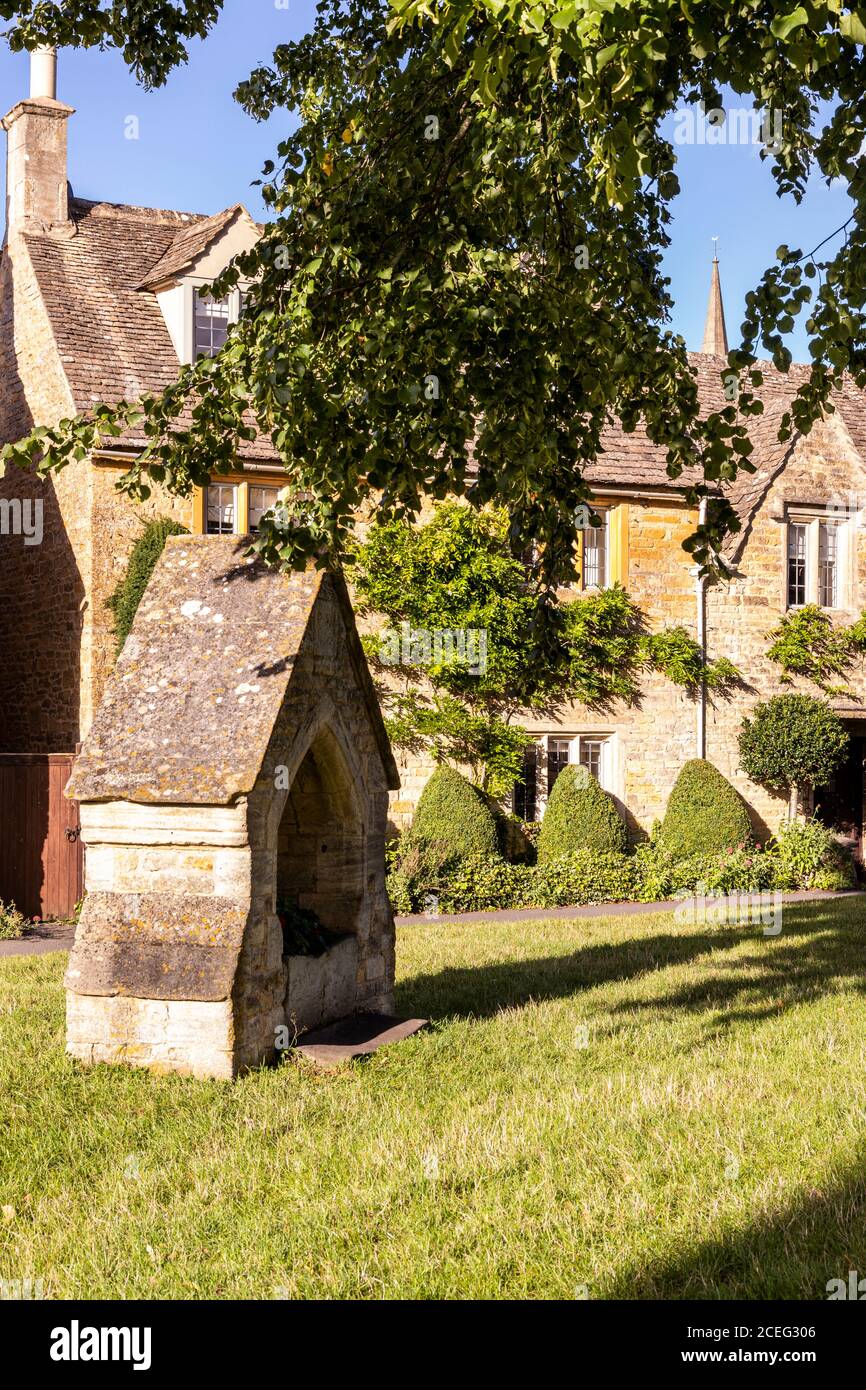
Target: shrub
(704,813)
(579,815)
(124,602)
(792,741)
(12,922)
(582,876)
(453,817)
(806,854)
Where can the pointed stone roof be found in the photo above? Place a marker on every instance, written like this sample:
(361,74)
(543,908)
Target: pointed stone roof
(191,705)
(715,336)
(189,244)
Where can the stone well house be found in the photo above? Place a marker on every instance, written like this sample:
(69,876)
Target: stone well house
(237,768)
(98,302)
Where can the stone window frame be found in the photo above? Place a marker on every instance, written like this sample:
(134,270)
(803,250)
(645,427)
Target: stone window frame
(813,517)
(574,738)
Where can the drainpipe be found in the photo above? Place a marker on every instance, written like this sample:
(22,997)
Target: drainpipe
(701,625)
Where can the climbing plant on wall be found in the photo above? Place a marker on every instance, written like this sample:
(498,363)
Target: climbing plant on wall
(451,591)
(806,643)
(124,602)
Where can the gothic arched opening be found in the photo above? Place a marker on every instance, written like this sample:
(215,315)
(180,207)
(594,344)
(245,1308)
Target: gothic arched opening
(321,859)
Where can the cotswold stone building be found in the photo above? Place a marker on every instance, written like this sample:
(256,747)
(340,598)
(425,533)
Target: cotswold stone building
(98,301)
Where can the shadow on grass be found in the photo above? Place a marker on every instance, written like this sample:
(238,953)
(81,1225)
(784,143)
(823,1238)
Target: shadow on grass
(791,1254)
(818,945)
(816,954)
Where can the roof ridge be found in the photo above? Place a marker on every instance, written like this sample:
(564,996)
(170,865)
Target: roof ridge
(132,212)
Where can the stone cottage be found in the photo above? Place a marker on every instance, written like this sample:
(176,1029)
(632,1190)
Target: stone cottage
(237,770)
(99,300)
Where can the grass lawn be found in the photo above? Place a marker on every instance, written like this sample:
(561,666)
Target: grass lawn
(628,1104)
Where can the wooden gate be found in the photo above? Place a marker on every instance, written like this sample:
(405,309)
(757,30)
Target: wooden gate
(41,868)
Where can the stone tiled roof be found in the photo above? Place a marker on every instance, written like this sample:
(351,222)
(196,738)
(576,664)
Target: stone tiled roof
(111,335)
(188,245)
(190,706)
(114,343)
(631,461)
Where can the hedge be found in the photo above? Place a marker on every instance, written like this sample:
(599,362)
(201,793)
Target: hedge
(804,856)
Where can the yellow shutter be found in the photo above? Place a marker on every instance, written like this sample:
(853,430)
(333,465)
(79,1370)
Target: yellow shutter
(619,544)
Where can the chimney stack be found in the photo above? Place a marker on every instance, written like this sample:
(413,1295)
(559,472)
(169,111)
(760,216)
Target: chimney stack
(36,191)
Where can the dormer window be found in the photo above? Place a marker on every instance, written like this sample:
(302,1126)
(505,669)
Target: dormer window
(212,318)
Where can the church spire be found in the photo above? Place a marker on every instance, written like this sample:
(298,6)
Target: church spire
(715,337)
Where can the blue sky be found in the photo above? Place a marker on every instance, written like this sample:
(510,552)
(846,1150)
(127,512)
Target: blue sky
(197,151)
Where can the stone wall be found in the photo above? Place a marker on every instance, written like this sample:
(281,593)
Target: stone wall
(55,630)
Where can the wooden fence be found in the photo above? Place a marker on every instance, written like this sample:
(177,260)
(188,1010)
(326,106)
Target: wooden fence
(41,868)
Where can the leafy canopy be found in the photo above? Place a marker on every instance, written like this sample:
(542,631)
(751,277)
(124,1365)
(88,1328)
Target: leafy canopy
(465,253)
(792,741)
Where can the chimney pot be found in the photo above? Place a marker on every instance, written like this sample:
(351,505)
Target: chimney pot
(43,72)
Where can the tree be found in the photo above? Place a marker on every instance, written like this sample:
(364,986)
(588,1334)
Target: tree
(792,743)
(459,658)
(465,257)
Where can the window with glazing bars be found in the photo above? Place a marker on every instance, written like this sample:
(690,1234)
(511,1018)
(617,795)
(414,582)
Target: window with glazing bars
(796,564)
(211,324)
(595,549)
(828,564)
(262,499)
(589,755)
(524,797)
(221,509)
(557,759)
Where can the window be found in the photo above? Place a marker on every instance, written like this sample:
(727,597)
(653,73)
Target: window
(557,759)
(816,552)
(220,509)
(796,565)
(596,550)
(524,798)
(211,325)
(590,756)
(262,499)
(550,755)
(828,567)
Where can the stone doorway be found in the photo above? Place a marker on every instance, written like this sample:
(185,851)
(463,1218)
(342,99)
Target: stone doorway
(840,805)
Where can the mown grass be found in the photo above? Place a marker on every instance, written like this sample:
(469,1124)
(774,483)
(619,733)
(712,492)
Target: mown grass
(627,1104)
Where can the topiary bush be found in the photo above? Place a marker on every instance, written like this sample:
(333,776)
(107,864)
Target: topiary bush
(579,815)
(452,822)
(124,602)
(704,813)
